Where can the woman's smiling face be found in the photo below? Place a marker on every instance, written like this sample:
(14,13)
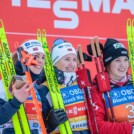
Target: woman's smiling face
(67,63)
(40,58)
(118,68)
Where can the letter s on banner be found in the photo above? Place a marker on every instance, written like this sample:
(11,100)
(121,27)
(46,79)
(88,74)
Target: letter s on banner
(65,24)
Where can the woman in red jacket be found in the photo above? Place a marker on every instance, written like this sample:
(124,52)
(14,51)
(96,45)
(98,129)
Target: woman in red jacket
(117,116)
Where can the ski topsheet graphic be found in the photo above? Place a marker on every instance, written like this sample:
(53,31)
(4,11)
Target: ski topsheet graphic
(52,82)
(7,70)
(130,37)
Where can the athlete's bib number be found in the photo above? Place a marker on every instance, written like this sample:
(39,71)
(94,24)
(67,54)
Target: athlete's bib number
(131,111)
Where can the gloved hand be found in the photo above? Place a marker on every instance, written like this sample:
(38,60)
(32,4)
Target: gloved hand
(55,118)
(87,57)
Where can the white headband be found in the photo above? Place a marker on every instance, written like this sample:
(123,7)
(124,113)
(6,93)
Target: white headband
(32,46)
(61,50)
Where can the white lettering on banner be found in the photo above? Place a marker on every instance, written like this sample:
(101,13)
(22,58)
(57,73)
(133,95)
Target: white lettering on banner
(127,92)
(75,91)
(80,97)
(38,3)
(33,3)
(75,110)
(70,100)
(96,5)
(119,100)
(120,5)
(72,17)
(65,95)
(131,97)
(75,125)
(16,3)
(65,12)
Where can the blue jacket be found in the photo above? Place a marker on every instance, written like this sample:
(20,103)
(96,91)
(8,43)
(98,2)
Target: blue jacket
(8,109)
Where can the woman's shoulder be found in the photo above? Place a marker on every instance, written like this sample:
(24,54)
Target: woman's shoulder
(2,101)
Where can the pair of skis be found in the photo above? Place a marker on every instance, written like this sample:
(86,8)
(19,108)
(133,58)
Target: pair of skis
(130,37)
(7,70)
(52,82)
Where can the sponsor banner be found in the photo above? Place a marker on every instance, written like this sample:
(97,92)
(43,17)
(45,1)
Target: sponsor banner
(72,94)
(30,108)
(73,98)
(122,95)
(76,110)
(73,20)
(123,102)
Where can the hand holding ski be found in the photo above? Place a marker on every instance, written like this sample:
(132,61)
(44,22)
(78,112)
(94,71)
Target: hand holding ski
(52,82)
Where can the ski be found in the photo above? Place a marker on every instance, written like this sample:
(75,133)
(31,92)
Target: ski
(130,38)
(52,82)
(7,71)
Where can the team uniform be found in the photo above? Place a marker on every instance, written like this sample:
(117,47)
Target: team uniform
(73,98)
(121,95)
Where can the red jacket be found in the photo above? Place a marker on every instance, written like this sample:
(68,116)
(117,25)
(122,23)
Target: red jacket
(105,126)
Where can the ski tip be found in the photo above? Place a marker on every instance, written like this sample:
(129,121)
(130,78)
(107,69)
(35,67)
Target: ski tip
(128,22)
(38,32)
(16,44)
(44,33)
(132,22)
(1,23)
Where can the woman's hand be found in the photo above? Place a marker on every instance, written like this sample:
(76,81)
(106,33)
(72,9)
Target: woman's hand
(23,93)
